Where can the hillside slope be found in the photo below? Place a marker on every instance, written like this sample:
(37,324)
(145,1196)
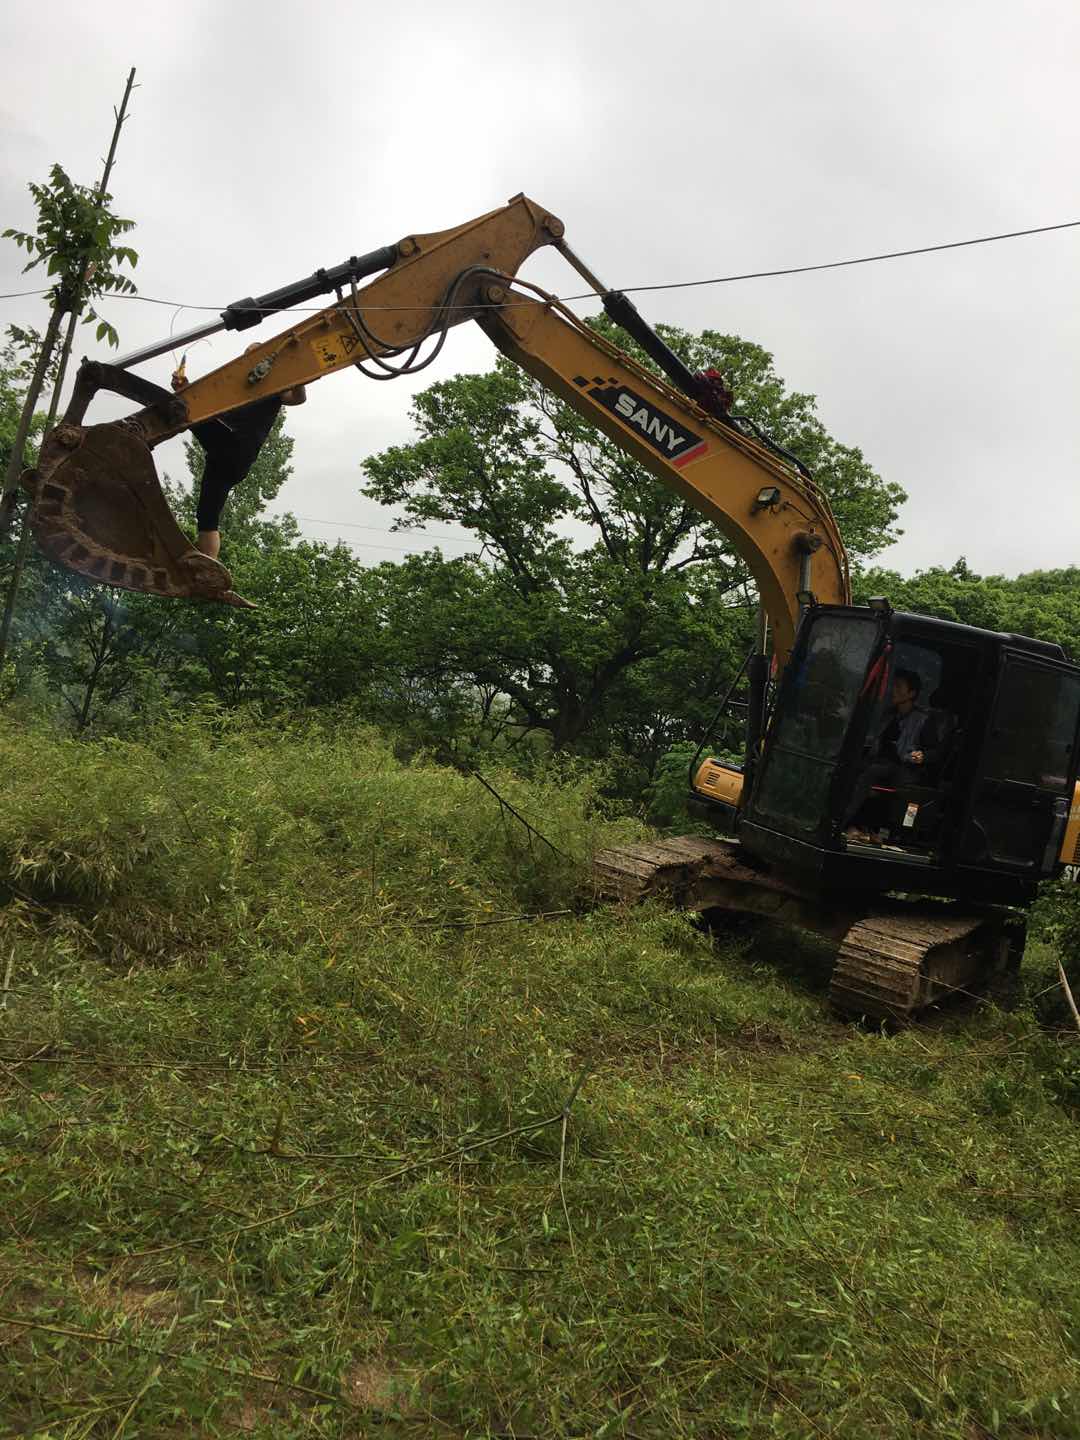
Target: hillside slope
(306,1131)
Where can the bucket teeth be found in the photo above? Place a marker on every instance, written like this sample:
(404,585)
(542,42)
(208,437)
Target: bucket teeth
(99,510)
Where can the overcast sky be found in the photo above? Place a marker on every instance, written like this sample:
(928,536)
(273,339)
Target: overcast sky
(676,142)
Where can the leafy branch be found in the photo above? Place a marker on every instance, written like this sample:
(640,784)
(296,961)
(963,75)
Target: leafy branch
(76,242)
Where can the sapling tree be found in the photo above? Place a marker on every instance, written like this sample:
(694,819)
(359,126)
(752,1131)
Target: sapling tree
(77,243)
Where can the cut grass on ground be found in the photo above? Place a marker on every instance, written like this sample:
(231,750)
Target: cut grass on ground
(284,1147)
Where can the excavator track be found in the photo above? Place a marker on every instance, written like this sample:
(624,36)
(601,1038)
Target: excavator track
(662,867)
(894,961)
(893,964)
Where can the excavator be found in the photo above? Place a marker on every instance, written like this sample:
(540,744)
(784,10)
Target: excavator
(931,899)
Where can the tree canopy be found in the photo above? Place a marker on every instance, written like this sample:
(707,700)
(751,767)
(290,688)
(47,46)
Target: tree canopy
(600,613)
(601,603)
(1042,603)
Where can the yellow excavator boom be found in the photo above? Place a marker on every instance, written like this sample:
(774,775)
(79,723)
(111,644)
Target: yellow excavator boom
(99,508)
(778,521)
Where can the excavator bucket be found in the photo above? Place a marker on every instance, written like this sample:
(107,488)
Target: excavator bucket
(98,509)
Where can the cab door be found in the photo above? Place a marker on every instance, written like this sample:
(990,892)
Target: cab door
(1025,778)
(808,739)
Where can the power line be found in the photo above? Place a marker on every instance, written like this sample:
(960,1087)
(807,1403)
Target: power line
(376,529)
(862,259)
(719,279)
(371,545)
(636,289)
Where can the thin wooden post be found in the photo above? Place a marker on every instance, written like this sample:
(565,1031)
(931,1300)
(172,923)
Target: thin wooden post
(1068,994)
(70,304)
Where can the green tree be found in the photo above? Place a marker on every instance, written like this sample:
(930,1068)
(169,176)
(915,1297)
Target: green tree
(109,654)
(592,572)
(312,638)
(1044,604)
(76,242)
(13,382)
(23,651)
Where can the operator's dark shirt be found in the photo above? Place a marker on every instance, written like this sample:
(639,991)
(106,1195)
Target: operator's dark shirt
(902,734)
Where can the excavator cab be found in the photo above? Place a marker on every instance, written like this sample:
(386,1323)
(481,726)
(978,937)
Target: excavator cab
(982,817)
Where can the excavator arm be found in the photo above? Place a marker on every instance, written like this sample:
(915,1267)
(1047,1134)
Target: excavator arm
(99,508)
(777,519)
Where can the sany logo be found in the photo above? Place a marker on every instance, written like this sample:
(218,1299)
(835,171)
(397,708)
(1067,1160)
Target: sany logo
(1072,874)
(652,424)
(661,431)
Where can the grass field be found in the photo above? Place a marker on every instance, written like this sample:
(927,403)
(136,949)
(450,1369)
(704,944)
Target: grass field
(303,1135)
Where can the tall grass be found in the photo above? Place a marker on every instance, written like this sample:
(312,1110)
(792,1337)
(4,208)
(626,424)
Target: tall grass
(210,835)
(284,1138)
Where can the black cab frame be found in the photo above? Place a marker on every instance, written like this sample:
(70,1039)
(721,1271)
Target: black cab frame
(984,815)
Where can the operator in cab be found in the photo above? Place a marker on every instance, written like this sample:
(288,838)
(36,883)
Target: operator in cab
(905,751)
(231,444)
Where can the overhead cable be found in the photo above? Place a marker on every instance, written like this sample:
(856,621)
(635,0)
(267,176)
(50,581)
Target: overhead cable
(378,530)
(635,289)
(860,260)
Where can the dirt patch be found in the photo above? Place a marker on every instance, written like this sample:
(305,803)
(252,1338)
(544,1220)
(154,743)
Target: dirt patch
(371,1386)
(763,1037)
(257,1411)
(249,1417)
(19,1300)
(152,1304)
(155,1305)
(368,1385)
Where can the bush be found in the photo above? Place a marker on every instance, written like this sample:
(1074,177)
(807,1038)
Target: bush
(1055,921)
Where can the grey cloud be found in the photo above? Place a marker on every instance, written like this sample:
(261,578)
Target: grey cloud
(676,142)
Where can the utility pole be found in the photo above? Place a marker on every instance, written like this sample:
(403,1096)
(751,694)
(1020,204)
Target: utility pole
(69,302)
